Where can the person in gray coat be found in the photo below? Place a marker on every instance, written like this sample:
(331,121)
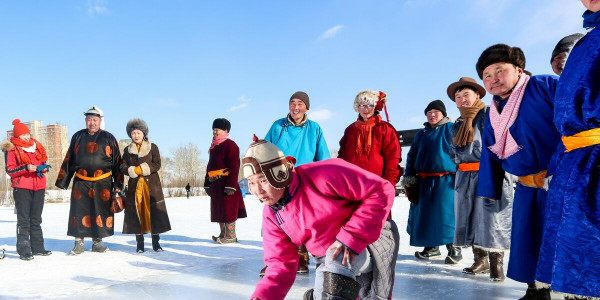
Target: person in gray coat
(483,224)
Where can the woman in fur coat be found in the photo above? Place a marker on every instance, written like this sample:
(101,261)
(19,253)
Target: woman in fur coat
(145,209)
(25,160)
(221,182)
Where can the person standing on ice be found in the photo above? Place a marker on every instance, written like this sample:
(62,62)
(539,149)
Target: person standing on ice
(221,182)
(145,208)
(570,252)
(337,210)
(188,189)
(429,184)
(25,161)
(93,158)
(301,138)
(480,223)
(518,138)
(370,142)
(561,51)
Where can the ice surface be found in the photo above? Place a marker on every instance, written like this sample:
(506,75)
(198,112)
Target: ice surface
(194,267)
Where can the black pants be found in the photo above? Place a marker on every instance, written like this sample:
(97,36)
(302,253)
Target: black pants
(29,206)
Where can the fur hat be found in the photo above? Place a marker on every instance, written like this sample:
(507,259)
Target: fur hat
(565,44)
(370,97)
(138,124)
(302,96)
(94,111)
(436,104)
(19,128)
(222,123)
(500,53)
(265,157)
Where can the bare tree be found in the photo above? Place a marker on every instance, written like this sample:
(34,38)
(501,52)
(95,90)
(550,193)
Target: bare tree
(188,166)
(333,153)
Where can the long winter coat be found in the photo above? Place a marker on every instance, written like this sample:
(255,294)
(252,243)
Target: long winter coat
(570,253)
(148,158)
(224,208)
(91,155)
(534,131)
(479,221)
(329,200)
(385,155)
(431,221)
(305,142)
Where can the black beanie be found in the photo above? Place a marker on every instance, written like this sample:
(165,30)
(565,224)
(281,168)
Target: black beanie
(300,95)
(500,53)
(222,123)
(565,44)
(436,104)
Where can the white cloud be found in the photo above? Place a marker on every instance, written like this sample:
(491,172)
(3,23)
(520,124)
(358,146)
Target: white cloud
(320,114)
(331,32)
(244,103)
(97,7)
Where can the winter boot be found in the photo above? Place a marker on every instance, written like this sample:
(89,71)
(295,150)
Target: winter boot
(155,245)
(308,295)
(339,287)
(26,256)
(428,252)
(97,245)
(480,264)
(497,266)
(2,255)
(222,234)
(78,248)
(139,238)
(303,260)
(454,255)
(42,253)
(229,234)
(534,293)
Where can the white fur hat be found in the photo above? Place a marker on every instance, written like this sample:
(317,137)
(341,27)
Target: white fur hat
(369,97)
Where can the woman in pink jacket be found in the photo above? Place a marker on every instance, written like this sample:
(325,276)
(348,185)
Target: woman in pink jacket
(26,164)
(333,207)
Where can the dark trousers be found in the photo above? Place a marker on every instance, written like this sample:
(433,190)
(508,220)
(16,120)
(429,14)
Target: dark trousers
(29,205)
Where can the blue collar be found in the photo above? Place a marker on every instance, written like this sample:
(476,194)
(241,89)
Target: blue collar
(591,19)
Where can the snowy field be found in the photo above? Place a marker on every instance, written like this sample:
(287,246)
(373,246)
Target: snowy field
(194,267)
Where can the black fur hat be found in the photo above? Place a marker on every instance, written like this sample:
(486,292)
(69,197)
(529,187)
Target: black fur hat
(500,53)
(138,124)
(222,124)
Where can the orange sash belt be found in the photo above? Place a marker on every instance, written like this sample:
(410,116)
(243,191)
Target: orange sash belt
(105,175)
(218,173)
(468,167)
(425,175)
(582,139)
(533,180)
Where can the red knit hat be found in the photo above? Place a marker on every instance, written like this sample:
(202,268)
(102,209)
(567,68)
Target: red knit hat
(19,128)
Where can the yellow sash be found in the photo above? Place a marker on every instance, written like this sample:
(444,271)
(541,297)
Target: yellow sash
(582,139)
(105,175)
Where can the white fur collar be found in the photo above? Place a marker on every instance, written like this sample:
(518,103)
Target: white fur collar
(144,149)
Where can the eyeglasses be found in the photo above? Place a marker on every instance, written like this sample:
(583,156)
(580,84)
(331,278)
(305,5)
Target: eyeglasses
(369,106)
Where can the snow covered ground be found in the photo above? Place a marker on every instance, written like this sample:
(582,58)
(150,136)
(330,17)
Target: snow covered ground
(194,267)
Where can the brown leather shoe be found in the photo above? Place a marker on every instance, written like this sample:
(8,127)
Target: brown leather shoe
(303,260)
(497,266)
(480,264)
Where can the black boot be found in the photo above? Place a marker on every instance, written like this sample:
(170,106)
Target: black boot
(97,246)
(454,255)
(534,293)
(26,256)
(428,252)
(497,266)
(155,245)
(308,295)
(339,287)
(139,238)
(42,253)
(480,264)
(78,248)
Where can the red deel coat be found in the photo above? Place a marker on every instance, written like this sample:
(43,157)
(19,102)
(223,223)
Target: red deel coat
(385,155)
(21,178)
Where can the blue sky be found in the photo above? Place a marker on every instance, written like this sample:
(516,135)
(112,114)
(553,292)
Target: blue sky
(181,64)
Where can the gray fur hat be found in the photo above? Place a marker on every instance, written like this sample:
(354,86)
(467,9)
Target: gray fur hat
(138,124)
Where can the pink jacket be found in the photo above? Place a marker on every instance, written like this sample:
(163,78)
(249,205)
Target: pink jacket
(330,199)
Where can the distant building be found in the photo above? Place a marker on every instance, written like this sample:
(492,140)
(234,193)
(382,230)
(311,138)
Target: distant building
(54,137)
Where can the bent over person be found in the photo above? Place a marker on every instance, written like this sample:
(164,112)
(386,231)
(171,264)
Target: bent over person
(93,159)
(338,211)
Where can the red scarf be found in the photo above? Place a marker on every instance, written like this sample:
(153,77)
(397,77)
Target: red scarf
(218,140)
(22,157)
(365,134)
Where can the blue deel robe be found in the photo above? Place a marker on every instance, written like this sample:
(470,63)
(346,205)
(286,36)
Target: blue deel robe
(570,253)
(534,131)
(431,221)
(305,143)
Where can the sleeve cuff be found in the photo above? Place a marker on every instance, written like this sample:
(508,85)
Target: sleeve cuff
(131,172)
(145,169)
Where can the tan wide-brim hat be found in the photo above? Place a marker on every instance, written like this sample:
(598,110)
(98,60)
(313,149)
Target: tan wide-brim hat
(468,81)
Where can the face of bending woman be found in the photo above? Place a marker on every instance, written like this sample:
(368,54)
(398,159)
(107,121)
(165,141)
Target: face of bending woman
(260,187)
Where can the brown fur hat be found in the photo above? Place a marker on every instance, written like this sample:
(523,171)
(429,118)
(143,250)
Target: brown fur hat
(500,53)
(138,124)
